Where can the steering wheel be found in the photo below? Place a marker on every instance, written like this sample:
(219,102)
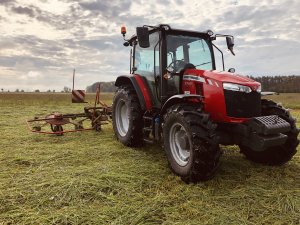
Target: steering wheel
(177,65)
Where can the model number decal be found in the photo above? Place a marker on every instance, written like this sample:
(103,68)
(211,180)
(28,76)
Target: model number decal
(189,77)
(194,78)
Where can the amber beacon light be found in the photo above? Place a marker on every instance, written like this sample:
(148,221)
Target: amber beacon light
(123,30)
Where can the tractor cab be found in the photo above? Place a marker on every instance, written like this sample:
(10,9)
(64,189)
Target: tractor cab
(161,55)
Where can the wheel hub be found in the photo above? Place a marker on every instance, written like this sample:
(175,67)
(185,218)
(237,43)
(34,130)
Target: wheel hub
(179,144)
(122,118)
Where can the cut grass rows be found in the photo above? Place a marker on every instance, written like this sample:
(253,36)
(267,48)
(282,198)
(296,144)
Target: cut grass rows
(90,178)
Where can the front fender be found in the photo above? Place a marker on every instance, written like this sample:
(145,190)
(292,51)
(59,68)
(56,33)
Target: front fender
(179,98)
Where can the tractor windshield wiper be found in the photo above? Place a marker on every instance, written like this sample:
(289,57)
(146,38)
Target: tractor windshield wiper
(203,64)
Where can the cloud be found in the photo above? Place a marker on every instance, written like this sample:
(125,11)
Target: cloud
(109,9)
(23,10)
(7,2)
(31,75)
(47,39)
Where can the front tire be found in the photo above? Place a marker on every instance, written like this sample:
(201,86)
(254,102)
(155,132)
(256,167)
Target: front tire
(127,117)
(276,155)
(190,143)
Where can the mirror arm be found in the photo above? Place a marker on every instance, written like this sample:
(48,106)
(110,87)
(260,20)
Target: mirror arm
(221,54)
(223,35)
(133,68)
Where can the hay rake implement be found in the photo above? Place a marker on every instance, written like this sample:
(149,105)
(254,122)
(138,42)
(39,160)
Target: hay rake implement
(58,123)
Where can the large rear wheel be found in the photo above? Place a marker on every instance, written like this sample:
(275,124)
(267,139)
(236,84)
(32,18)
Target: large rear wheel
(190,143)
(276,155)
(127,117)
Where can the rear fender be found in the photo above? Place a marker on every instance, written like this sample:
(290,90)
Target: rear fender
(183,98)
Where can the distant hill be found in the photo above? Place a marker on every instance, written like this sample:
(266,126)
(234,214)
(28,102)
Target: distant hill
(104,87)
(282,84)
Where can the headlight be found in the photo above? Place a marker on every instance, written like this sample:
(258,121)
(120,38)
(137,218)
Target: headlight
(236,87)
(259,89)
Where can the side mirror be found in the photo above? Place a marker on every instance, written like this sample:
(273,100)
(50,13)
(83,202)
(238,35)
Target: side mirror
(230,44)
(143,37)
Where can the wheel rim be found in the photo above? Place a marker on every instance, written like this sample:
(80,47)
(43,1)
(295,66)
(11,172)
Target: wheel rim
(179,144)
(122,118)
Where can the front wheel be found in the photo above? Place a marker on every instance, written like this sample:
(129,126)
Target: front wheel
(276,155)
(127,117)
(190,143)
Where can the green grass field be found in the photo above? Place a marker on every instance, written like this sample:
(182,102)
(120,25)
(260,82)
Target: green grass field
(90,178)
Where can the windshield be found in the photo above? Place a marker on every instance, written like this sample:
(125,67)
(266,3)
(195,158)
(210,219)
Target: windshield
(182,50)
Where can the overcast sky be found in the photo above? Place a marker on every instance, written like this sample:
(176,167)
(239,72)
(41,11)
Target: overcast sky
(41,41)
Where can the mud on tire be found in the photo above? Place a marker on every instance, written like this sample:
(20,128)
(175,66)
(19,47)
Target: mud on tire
(276,155)
(190,143)
(127,117)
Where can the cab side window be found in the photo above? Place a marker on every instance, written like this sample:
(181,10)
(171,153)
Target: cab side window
(144,58)
(147,64)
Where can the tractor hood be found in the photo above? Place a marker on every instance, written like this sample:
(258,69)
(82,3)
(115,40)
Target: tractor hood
(227,77)
(224,77)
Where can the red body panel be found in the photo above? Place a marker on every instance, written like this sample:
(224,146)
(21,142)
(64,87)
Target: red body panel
(144,90)
(211,85)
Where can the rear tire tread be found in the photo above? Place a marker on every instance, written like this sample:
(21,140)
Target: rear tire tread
(135,139)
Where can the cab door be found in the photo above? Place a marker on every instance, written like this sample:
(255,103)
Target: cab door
(147,65)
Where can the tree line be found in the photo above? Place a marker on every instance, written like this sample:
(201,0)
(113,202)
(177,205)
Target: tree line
(104,87)
(282,84)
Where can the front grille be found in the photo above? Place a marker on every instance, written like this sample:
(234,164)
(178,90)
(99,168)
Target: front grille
(241,104)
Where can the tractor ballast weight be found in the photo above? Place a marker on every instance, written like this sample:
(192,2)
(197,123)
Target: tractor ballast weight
(175,94)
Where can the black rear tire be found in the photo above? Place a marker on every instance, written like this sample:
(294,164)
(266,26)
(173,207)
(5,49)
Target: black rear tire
(276,155)
(127,117)
(186,127)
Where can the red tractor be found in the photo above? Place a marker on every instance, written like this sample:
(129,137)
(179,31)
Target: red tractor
(174,93)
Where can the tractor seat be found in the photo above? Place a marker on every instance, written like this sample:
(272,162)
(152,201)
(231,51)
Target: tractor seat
(186,66)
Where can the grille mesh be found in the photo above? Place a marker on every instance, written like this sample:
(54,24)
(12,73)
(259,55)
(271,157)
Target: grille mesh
(242,105)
